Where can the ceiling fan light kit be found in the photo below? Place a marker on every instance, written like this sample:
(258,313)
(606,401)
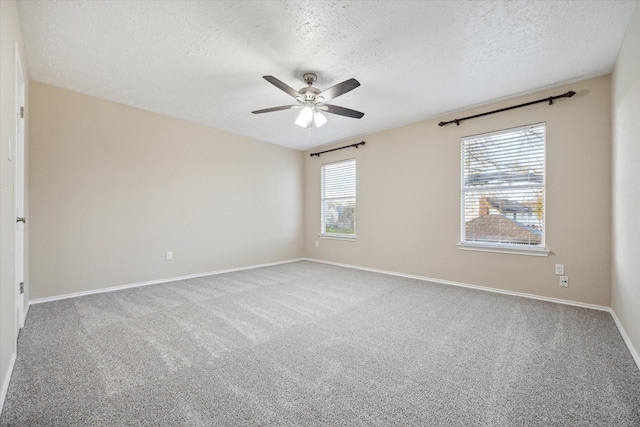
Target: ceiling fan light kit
(310,115)
(312,101)
(305,117)
(319,119)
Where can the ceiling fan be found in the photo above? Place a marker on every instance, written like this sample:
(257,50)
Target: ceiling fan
(312,100)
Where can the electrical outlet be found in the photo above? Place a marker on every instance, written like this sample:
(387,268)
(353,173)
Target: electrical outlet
(564,281)
(169,256)
(317,244)
(560,269)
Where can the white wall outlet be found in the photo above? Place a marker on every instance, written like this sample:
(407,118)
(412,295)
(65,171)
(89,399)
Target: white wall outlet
(564,281)
(317,244)
(559,269)
(169,256)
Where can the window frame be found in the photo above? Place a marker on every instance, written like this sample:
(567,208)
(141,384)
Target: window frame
(502,247)
(323,232)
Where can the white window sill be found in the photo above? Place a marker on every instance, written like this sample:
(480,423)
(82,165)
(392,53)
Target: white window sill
(347,237)
(503,249)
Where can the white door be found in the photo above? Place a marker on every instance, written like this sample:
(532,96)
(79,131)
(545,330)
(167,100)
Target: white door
(19,158)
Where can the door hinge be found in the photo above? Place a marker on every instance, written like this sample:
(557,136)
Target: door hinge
(22,112)
(22,287)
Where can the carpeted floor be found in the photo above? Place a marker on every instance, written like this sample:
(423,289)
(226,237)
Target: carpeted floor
(313,344)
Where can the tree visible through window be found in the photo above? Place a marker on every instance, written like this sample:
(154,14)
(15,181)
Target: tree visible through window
(338,198)
(503,188)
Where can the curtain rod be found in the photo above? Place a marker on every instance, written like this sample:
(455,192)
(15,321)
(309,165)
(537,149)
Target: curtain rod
(334,149)
(550,100)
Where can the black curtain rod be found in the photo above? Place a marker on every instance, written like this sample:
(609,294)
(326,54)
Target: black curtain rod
(334,149)
(550,100)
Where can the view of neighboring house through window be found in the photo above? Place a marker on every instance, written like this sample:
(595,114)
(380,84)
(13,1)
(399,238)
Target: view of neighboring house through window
(503,188)
(338,193)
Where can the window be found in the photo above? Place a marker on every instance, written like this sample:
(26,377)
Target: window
(338,199)
(503,190)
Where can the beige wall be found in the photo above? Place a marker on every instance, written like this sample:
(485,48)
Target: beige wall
(408,201)
(113,188)
(625,292)
(9,33)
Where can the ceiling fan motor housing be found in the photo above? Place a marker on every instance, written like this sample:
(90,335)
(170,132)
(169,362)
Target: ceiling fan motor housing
(309,93)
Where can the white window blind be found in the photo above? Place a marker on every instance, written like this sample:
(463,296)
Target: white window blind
(338,193)
(503,178)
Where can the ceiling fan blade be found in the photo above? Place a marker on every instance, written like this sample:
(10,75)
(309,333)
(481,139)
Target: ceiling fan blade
(339,89)
(282,86)
(341,111)
(269,110)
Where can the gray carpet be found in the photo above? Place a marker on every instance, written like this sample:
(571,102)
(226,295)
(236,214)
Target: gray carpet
(312,344)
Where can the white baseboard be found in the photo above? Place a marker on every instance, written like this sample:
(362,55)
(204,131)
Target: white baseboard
(7,379)
(626,339)
(624,335)
(155,282)
(467,285)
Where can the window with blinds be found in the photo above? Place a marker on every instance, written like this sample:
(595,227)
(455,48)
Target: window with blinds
(338,198)
(503,178)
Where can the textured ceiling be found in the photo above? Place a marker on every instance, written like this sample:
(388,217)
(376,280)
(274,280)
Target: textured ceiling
(203,61)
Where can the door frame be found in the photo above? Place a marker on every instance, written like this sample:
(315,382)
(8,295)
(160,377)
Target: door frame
(19,158)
